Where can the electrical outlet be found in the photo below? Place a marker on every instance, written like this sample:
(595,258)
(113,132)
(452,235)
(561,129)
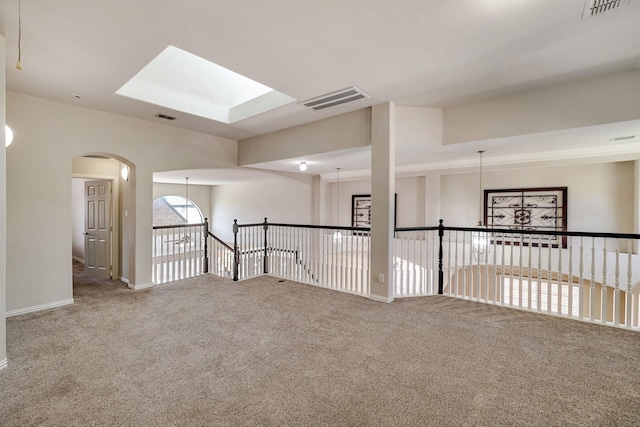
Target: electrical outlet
(380,278)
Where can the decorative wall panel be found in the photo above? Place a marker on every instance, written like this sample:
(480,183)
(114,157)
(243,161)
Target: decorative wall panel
(527,209)
(361,210)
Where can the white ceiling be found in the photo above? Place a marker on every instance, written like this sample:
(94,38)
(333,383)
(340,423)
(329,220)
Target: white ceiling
(418,53)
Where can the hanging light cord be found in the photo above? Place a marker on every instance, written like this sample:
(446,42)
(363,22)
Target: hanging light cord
(19,63)
(338,199)
(186,202)
(480,220)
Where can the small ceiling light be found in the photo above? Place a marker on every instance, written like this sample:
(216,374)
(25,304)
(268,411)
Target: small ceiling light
(125,173)
(8,136)
(303,166)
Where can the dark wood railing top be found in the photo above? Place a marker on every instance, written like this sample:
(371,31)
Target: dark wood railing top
(161,227)
(530,232)
(220,241)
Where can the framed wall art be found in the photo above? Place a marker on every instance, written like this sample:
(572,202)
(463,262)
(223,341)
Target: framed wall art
(361,210)
(527,209)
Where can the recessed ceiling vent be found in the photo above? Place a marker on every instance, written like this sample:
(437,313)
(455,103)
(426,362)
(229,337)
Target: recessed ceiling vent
(623,138)
(165,116)
(334,98)
(598,7)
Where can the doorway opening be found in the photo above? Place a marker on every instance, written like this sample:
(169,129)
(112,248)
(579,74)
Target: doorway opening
(102,202)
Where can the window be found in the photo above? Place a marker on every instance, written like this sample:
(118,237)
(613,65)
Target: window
(174,210)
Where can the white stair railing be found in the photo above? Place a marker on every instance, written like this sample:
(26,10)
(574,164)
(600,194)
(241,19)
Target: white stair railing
(592,277)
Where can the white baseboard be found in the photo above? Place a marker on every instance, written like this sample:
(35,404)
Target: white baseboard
(380,298)
(80,260)
(39,307)
(125,280)
(139,287)
(3,364)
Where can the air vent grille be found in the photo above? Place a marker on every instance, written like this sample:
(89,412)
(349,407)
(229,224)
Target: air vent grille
(165,116)
(332,99)
(623,138)
(598,7)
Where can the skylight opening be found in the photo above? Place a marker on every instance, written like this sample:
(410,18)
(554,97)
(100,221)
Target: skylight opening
(182,81)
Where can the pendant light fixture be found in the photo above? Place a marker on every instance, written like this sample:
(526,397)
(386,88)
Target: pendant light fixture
(186,200)
(337,236)
(186,238)
(480,241)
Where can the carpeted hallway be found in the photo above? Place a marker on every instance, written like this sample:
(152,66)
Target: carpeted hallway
(209,352)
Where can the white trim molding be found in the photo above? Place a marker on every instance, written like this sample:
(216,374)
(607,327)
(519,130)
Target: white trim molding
(80,260)
(380,298)
(139,287)
(39,307)
(3,364)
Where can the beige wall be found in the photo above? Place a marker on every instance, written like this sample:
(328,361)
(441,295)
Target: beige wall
(417,200)
(341,132)
(3,199)
(48,136)
(279,199)
(600,195)
(418,126)
(585,102)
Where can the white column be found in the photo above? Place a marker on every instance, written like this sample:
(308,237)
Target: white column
(382,201)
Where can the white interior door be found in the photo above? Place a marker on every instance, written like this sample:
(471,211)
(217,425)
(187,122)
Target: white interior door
(97,229)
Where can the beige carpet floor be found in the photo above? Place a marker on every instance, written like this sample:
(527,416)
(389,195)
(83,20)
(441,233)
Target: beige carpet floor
(211,352)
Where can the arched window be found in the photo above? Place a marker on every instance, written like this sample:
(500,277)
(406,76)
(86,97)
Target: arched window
(175,210)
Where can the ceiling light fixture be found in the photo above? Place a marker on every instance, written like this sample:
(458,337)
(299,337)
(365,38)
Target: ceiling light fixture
(480,241)
(8,136)
(303,166)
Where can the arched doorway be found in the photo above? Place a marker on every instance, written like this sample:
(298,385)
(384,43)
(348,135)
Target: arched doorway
(108,168)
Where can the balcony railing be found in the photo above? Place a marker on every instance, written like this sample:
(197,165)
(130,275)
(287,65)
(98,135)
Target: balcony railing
(586,276)
(593,277)
(330,257)
(188,250)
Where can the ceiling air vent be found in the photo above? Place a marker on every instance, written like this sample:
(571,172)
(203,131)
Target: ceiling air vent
(598,7)
(623,138)
(334,98)
(165,116)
